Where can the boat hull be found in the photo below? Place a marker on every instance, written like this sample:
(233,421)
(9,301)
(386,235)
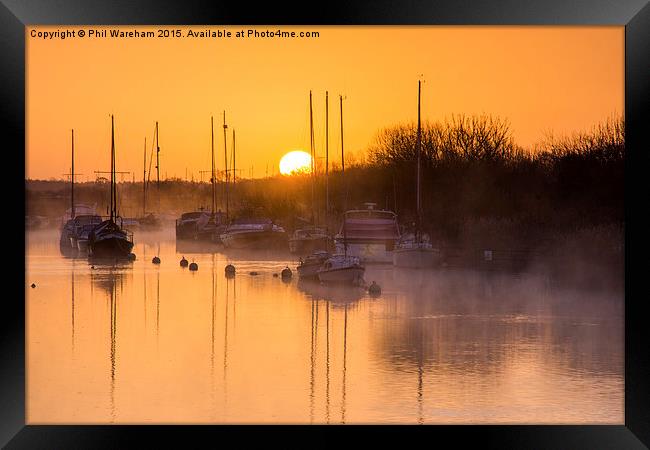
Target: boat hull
(309,270)
(348,275)
(111,247)
(186,230)
(82,245)
(416,258)
(254,240)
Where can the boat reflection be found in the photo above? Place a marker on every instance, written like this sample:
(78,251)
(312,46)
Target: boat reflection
(338,295)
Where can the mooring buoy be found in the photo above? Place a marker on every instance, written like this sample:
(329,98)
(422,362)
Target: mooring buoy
(253,273)
(184,262)
(374,289)
(275,275)
(155,260)
(230,270)
(286,273)
(194,266)
(33,285)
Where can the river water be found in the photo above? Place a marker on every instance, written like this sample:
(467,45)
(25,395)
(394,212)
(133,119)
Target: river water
(144,343)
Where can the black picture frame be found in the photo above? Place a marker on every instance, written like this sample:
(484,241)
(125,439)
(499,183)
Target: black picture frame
(633,14)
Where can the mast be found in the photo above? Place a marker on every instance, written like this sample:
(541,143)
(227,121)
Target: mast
(72,181)
(158,167)
(213,178)
(327,181)
(144,180)
(311,153)
(418,149)
(345,198)
(234,172)
(225,152)
(113,191)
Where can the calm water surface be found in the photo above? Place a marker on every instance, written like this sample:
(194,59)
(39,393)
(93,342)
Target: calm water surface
(140,343)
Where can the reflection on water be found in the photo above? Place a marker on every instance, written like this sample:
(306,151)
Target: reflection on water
(142,343)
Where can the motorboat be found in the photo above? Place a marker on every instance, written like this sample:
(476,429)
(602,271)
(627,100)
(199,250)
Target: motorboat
(371,234)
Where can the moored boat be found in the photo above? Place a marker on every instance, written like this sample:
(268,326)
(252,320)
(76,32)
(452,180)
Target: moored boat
(342,269)
(187,226)
(82,225)
(308,268)
(414,254)
(415,250)
(253,234)
(371,234)
(108,239)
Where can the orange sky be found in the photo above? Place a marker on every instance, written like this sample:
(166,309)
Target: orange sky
(540,78)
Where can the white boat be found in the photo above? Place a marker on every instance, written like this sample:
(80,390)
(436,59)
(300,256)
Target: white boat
(412,254)
(342,269)
(253,234)
(308,268)
(371,234)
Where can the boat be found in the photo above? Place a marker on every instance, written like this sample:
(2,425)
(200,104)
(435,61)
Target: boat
(82,225)
(310,238)
(150,221)
(188,225)
(79,210)
(67,222)
(109,239)
(201,225)
(371,234)
(308,267)
(342,268)
(414,250)
(253,233)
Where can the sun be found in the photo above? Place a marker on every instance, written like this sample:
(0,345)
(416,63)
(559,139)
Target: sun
(295,162)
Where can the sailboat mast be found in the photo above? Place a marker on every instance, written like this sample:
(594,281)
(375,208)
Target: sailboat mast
(113,192)
(225,152)
(418,149)
(213,177)
(327,181)
(144,180)
(234,172)
(158,167)
(345,198)
(72,181)
(311,153)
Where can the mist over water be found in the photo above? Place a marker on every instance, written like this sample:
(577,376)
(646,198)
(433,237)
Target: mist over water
(141,343)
